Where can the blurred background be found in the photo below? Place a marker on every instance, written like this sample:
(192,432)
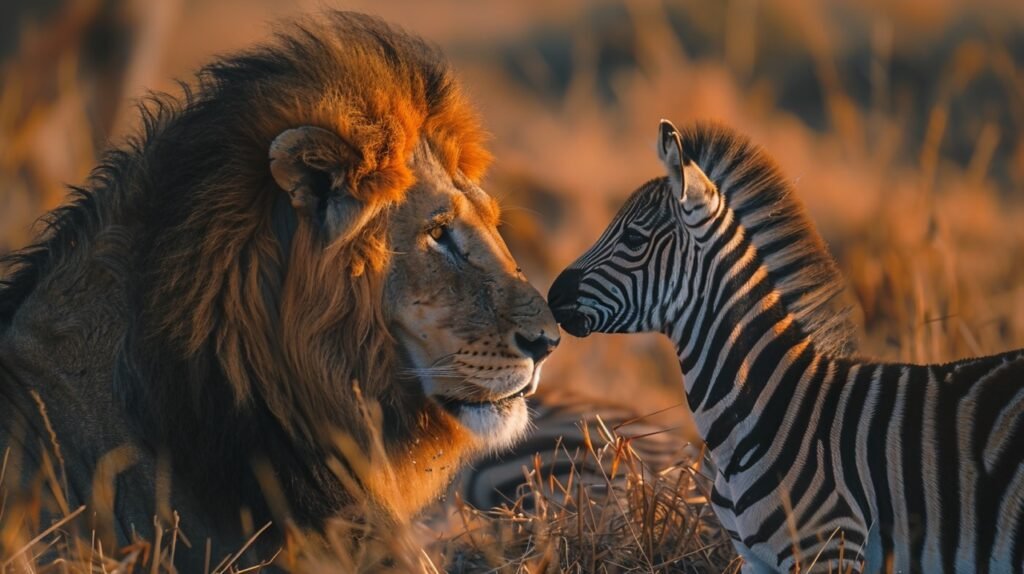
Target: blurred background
(899,122)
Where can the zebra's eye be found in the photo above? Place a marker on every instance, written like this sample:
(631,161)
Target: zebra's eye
(633,238)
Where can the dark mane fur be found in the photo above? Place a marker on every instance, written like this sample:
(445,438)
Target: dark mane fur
(796,257)
(63,230)
(243,336)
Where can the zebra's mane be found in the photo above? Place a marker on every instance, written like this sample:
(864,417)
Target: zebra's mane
(797,259)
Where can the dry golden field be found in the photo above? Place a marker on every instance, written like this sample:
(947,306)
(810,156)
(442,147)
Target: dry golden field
(901,123)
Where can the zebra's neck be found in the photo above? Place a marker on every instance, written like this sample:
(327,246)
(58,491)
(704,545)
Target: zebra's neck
(738,346)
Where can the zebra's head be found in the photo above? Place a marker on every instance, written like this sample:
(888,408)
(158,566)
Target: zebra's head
(626,281)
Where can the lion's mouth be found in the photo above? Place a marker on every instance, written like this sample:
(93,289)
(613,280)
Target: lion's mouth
(455,406)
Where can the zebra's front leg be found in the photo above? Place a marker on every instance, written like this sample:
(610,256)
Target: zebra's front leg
(721,503)
(752,564)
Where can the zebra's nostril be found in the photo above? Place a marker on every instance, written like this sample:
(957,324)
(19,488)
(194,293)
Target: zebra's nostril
(536,349)
(565,314)
(574,322)
(564,290)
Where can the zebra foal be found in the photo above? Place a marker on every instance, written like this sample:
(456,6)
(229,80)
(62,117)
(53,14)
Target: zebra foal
(824,461)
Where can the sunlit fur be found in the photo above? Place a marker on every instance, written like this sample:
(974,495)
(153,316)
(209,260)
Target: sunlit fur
(177,304)
(823,461)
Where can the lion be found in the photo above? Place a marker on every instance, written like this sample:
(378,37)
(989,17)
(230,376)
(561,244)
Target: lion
(287,293)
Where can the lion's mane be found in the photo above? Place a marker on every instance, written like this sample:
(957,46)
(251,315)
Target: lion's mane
(243,331)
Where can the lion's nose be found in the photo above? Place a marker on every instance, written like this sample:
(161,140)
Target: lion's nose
(538,348)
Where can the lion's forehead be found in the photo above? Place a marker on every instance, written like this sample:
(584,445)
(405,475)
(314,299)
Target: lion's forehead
(486,206)
(433,176)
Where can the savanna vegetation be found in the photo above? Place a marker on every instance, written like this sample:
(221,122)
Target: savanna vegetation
(901,124)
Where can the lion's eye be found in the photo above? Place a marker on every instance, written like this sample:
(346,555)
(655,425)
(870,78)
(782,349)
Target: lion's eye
(437,233)
(442,237)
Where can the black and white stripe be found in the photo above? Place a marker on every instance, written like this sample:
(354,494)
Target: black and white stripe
(575,442)
(821,458)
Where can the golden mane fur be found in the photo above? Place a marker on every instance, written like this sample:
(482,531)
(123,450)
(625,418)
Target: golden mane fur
(403,93)
(237,331)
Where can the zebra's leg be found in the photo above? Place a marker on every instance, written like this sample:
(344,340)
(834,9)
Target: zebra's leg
(752,564)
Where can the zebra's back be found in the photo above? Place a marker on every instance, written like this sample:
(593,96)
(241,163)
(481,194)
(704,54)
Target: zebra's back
(917,468)
(961,455)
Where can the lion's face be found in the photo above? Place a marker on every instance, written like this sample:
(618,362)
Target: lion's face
(470,330)
(473,331)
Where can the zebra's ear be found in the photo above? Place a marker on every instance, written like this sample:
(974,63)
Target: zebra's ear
(688,180)
(670,151)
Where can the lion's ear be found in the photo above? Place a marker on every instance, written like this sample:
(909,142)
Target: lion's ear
(309,164)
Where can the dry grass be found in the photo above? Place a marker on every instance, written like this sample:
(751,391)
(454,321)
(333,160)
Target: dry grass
(901,125)
(635,519)
(629,518)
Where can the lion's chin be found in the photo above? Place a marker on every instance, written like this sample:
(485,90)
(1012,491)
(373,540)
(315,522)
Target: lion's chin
(498,425)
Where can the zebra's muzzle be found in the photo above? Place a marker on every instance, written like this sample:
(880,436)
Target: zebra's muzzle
(573,321)
(562,298)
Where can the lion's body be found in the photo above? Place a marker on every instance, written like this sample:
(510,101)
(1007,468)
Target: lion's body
(184,329)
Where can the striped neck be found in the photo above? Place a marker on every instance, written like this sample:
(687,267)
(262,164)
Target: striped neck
(738,345)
